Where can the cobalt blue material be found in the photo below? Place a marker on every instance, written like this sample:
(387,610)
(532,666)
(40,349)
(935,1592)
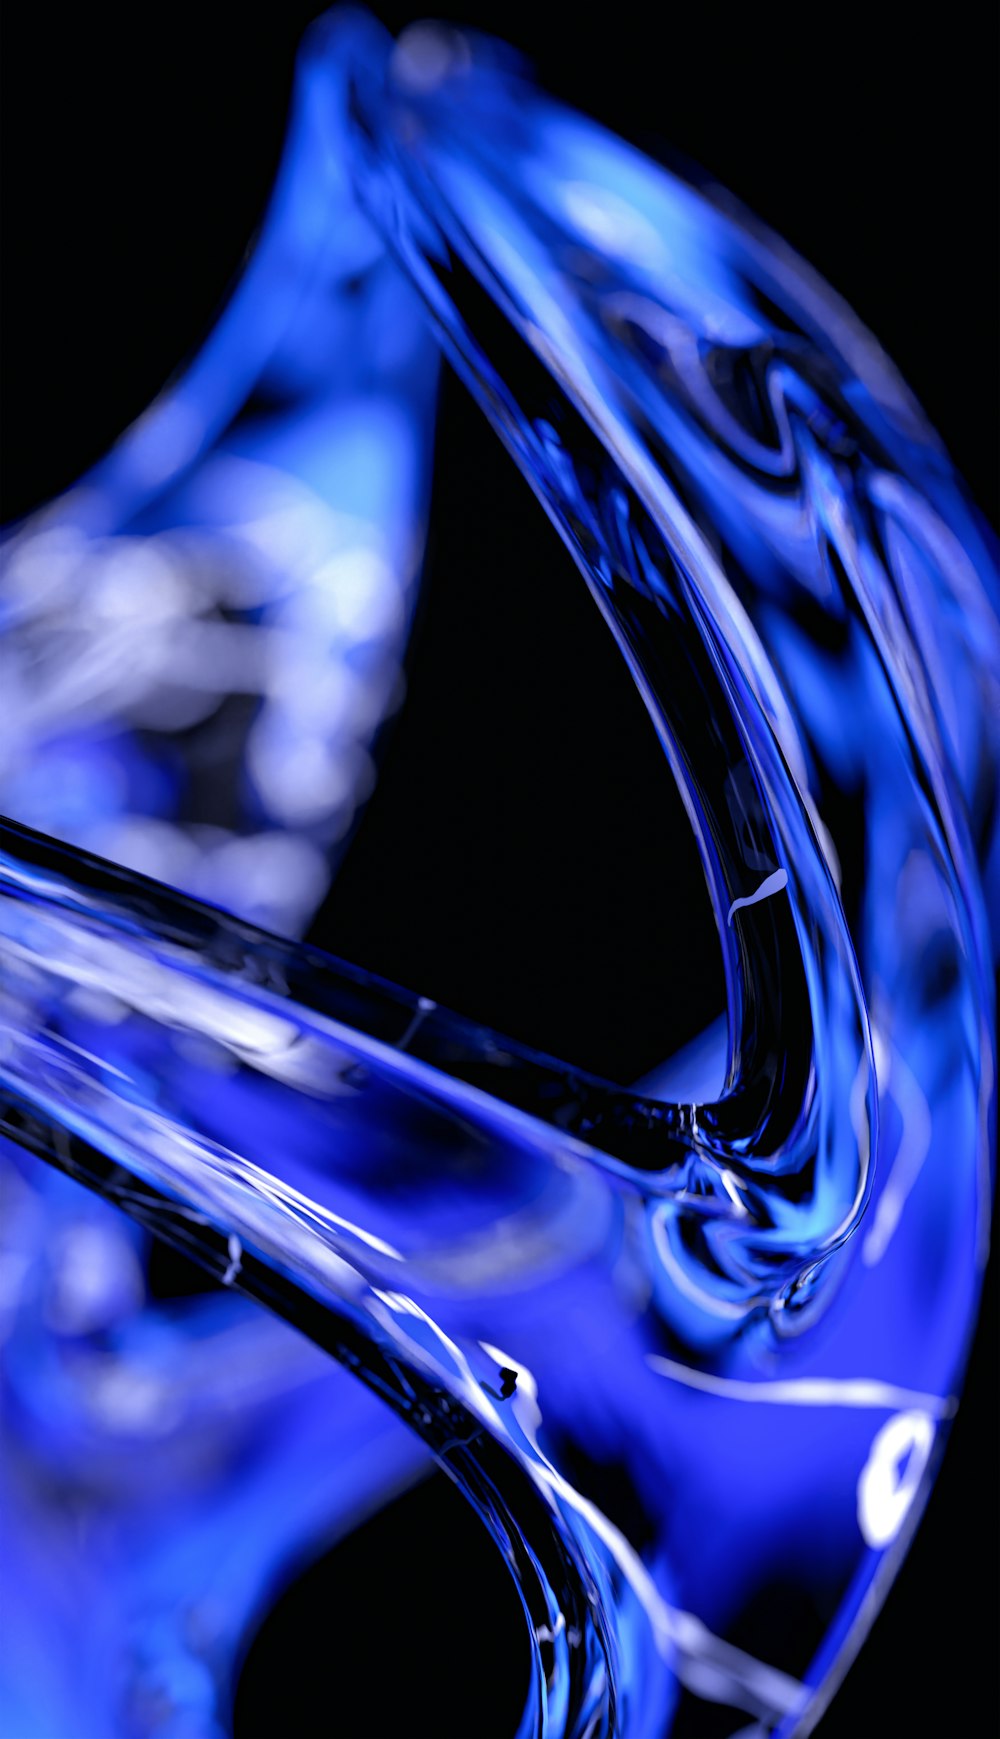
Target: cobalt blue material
(681,1342)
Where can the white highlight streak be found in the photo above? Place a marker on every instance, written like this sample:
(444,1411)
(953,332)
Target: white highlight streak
(424,1007)
(884,1493)
(807,1391)
(235,1259)
(772,884)
(914,1146)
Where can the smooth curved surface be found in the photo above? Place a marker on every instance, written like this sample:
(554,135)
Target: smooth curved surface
(682,1342)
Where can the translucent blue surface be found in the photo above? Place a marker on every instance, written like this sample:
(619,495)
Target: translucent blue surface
(681,1341)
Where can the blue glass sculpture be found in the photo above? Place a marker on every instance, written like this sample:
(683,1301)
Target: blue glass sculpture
(676,1340)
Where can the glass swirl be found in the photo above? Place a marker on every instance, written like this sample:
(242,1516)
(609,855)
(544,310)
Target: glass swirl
(684,1343)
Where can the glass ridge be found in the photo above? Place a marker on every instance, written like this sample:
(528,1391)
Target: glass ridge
(677,1340)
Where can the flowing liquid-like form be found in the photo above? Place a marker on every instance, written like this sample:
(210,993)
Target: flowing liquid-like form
(683,1342)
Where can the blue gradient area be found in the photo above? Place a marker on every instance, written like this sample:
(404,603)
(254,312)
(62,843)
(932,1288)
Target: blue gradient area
(204,636)
(734,1298)
(163,1465)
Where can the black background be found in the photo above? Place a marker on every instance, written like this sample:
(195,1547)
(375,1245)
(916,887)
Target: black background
(522,834)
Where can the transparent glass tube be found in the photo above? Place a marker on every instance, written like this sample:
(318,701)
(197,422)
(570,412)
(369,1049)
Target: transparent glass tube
(676,1340)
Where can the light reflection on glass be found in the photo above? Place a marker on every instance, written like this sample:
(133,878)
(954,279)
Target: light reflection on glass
(681,1341)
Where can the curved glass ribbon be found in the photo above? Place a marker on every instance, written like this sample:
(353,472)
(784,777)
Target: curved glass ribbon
(685,1343)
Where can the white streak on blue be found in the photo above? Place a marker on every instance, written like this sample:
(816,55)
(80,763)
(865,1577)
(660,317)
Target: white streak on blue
(771,884)
(914,1146)
(806,1391)
(235,1260)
